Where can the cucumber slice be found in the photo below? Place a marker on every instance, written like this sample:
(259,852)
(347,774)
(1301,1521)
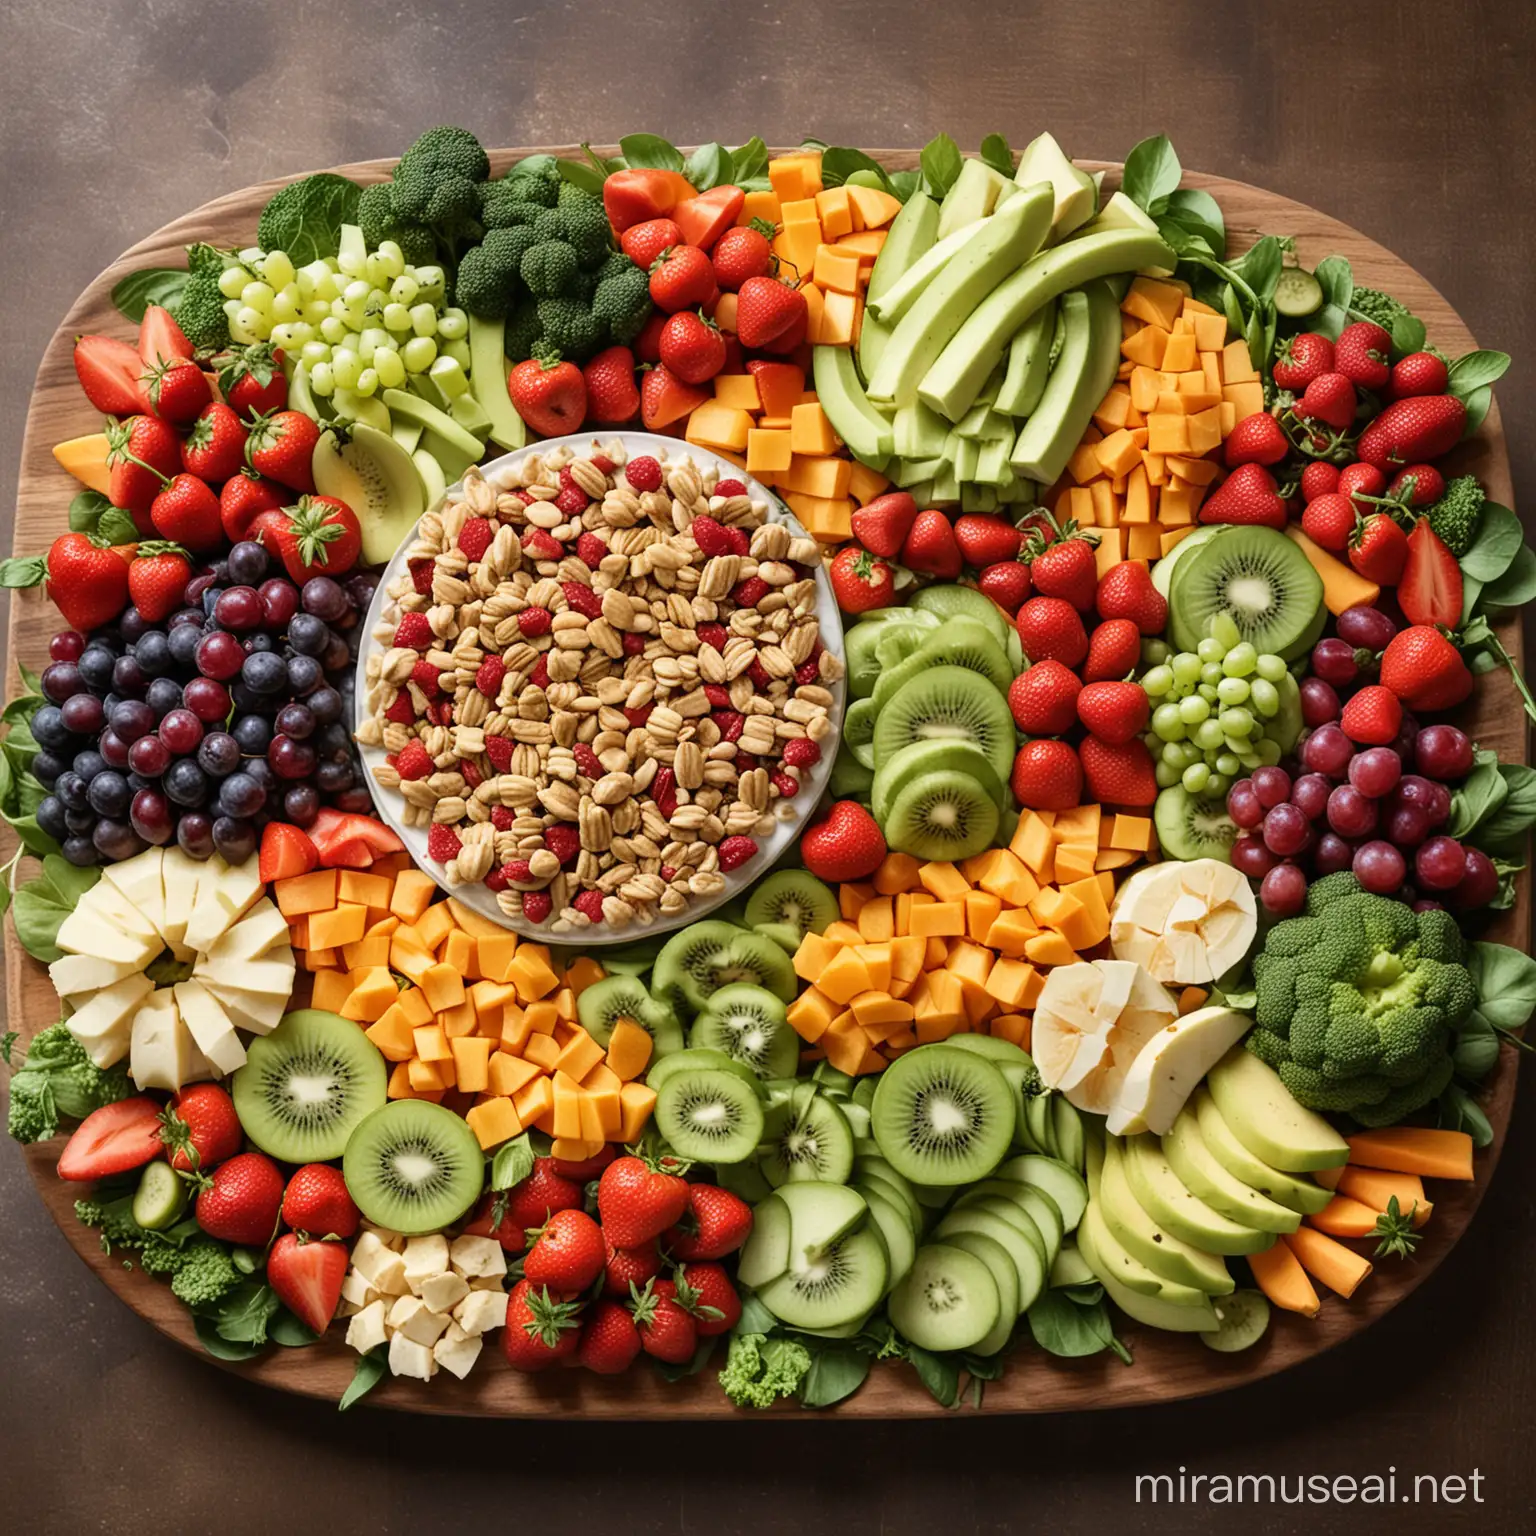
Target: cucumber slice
(1029,363)
(160,1199)
(765,1255)
(1071,1268)
(859,731)
(1065,1186)
(949,600)
(1242,1319)
(1067,1132)
(890,1221)
(1297,293)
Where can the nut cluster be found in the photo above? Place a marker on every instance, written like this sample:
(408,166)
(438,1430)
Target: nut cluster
(598,682)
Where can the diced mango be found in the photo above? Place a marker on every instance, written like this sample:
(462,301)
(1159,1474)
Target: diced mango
(944,881)
(1167,433)
(443,986)
(835,212)
(299,894)
(1049,948)
(579,1055)
(530,973)
(331,989)
(471,1062)
(506,1073)
(1032,840)
(872,208)
(713,425)
(1156,302)
(981,911)
(836,269)
(425,1076)
(1133,832)
(877,920)
(345,923)
(459,952)
(391,1033)
(938,919)
(844,976)
(493,1121)
(637,1102)
(738,392)
(462,1020)
(1236,364)
(373,993)
(811,1013)
(811,433)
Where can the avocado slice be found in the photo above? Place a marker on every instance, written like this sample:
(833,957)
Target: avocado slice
(1029,363)
(1168,1201)
(454,448)
(1075,193)
(911,234)
(1285,1189)
(1203,1175)
(1106,1255)
(1121,213)
(973,196)
(488,382)
(838,388)
(430,473)
(1267,1119)
(919,433)
(372,474)
(1182,1312)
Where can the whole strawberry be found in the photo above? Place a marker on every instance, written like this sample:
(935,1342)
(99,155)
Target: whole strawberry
(318,536)
(252,381)
(282,446)
(1413,431)
(769,314)
(1361,480)
(1114,712)
(239,1202)
(87,584)
(1420,373)
(715,1223)
(186,512)
(566,1253)
(1114,648)
(177,390)
(860,581)
(624,1267)
(742,253)
(638,1199)
(1051,629)
(157,579)
(667,1331)
(643,243)
(308,1277)
(1329,521)
(1302,359)
(1378,549)
(527,1204)
(587,1168)
(1127,591)
(882,524)
(609,1340)
(985,540)
(215,447)
(1330,399)
(682,278)
(1007,584)
(705,1291)
(1047,776)
(847,844)
(317,1201)
(664,398)
(1420,485)
(244,498)
(1372,717)
(551,396)
(1065,567)
(612,395)
(543,1328)
(1363,354)
(1424,670)
(1249,497)
(1043,699)
(143,453)
(1256,439)
(1122,775)
(1318,479)
(692,347)
(200,1128)
(930,547)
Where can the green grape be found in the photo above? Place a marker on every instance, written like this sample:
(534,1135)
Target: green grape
(1193,710)
(1209,736)
(424,319)
(1154,652)
(1240,660)
(308,277)
(392,256)
(404,290)
(397,317)
(1224,631)
(418,353)
(258,296)
(313,352)
(284,337)
(430,282)
(1196,777)
(367,381)
(315,310)
(232,281)
(1165,774)
(286,305)
(1265,697)
(253,321)
(1238,722)
(363,346)
(1217,785)
(277,269)
(332,329)
(1211,673)
(1186,667)
(1271,668)
(376,270)
(1157,682)
(1172,753)
(346,366)
(351,263)
(356,293)
(458,350)
(1232,690)
(322,380)
(1249,760)
(390,369)
(1207,693)
(251,257)
(1269,752)
(454,324)
(231,308)
(1167,722)
(1210,649)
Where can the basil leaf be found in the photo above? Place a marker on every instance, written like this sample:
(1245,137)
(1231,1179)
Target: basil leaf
(1499,538)
(997,153)
(1200,214)
(153,285)
(39,913)
(1060,1328)
(1182,241)
(837,1371)
(287,1330)
(905,184)
(755,1317)
(1260,266)
(708,166)
(1475,370)
(1152,173)
(838,164)
(512,1163)
(1337,279)
(1506,984)
(85,511)
(242,1317)
(305,218)
(23,571)
(749,161)
(589,179)
(1408,335)
(1477,404)
(940,161)
(116,527)
(649,152)
(33,838)
(1459,1111)
(221,1348)
(1476,1049)
(369,1371)
(1517,585)
(1517,814)
(939,1373)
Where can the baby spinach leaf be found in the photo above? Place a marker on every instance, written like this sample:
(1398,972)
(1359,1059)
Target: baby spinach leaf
(1476,370)
(749,162)
(589,179)
(1477,404)
(369,1371)
(997,153)
(219,1347)
(708,166)
(940,1373)
(837,1371)
(32,836)
(1152,173)
(243,1316)
(839,163)
(905,183)
(85,511)
(941,161)
(650,152)
(1260,266)
(1060,1328)
(1481,794)
(512,1163)
(1337,279)
(1477,1049)
(1506,984)
(1408,335)
(755,1317)
(23,571)
(1200,214)
(1516,585)
(41,907)
(152,285)
(287,1330)
(1517,814)
(1459,1111)
(1499,539)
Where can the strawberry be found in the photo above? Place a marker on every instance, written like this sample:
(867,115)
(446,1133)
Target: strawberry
(1329,521)
(1420,485)
(1127,592)
(113,1139)
(846,844)
(252,381)
(667,1331)
(177,390)
(1302,359)
(160,338)
(1065,567)
(930,547)
(612,395)
(244,497)
(692,347)
(1114,712)
(319,536)
(551,396)
(705,1290)
(1363,354)
(1372,717)
(1007,584)
(157,580)
(1430,589)
(1422,428)
(643,473)
(1378,549)
(307,1277)
(442,844)
(742,253)
(733,852)
(317,1201)
(681,278)
(609,1340)
(186,512)
(882,525)
(1424,669)
(1044,698)
(108,371)
(590,905)
(566,1253)
(716,1223)
(1256,439)
(1114,648)
(286,851)
(1329,398)
(860,581)
(1051,629)
(526,1205)
(88,584)
(1122,775)
(648,342)
(240,1201)
(768,311)
(413,762)
(644,243)
(1319,478)
(1046,776)
(282,446)
(1249,497)
(624,1267)
(542,1328)
(638,1199)
(215,447)
(664,398)
(475,537)
(987,540)
(142,455)
(1420,373)
(1361,480)
(585,1169)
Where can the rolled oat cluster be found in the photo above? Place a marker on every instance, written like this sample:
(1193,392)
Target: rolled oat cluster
(598,683)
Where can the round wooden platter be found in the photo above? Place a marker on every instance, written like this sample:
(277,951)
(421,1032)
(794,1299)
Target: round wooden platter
(1167,1366)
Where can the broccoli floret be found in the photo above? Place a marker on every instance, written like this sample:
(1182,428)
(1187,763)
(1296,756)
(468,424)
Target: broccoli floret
(571,328)
(377,219)
(200,310)
(114,1219)
(487,284)
(1371,304)
(1457,513)
(436,179)
(523,332)
(586,227)
(549,270)
(504,205)
(622,301)
(537,180)
(615,264)
(550,224)
(199,1268)
(759,1370)
(304,218)
(58,1078)
(1358,1000)
(203,1272)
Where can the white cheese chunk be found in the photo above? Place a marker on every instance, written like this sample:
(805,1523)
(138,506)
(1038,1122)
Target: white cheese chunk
(210,1026)
(73,975)
(441,1292)
(425,1257)
(103,1025)
(473,1256)
(481,1311)
(457,1351)
(408,1358)
(366,1330)
(162,1048)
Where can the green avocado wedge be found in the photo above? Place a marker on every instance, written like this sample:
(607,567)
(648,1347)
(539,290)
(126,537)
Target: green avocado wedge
(1267,1119)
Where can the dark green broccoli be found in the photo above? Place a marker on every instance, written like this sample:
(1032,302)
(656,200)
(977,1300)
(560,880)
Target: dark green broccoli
(304,218)
(615,264)
(571,328)
(200,310)
(377,219)
(523,332)
(1371,304)
(550,224)
(1457,513)
(57,1078)
(537,180)
(435,182)
(199,1267)
(503,205)
(488,284)
(623,302)
(549,270)
(587,229)
(1358,1001)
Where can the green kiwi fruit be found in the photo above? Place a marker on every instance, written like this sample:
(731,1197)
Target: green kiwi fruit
(962,642)
(850,779)
(896,643)
(1192,826)
(792,896)
(942,816)
(631,959)
(1259,577)
(703,957)
(1162,570)
(948,1300)
(750,1026)
(942,1116)
(834,1285)
(859,731)
(709,1116)
(807,1141)
(950,601)
(947,704)
(413,1166)
(698,1059)
(785,935)
(605,1002)
(305,1087)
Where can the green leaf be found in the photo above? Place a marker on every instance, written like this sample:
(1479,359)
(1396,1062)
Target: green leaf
(838,164)
(589,179)
(1200,214)
(1475,370)
(998,153)
(1337,279)
(1459,1111)
(1517,814)
(1408,335)
(116,527)
(1499,538)
(1260,267)
(289,1331)
(243,1316)
(29,679)
(23,571)
(650,152)
(695,1363)
(152,285)
(1517,585)
(218,1346)
(940,1373)
(39,913)
(1506,984)
(512,1163)
(905,183)
(708,166)
(1061,1328)
(7,1045)
(749,162)
(1476,1050)
(32,836)
(1479,796)
(1477,404)
(837,1371)
(940,161)
(1152,173)
(304,219)
(85,511)
(369,1371)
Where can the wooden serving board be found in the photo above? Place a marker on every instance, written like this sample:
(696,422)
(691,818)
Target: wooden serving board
(1167,1366)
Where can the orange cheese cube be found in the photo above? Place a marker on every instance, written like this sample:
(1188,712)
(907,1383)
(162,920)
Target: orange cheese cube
(298,894)
(811,1013)
(1166,432)
(637,1102)
(345,923)
(1179,354)
(373,994)
(811,433)
(1074,861)
(579,1055)
(444,987)
(761,205)
(1111,549)
(897,872)
(907,955)
(1049,948)
(1010,932)
(1008,982)
(542,1050)
(1145,347)
(824,477)
(944,881)
(836,270)
(713,425)
(981,911)
(799,210)
(841,317)
(391,1033)
(938,919)
(1156,302)
(1210,332)
(835,212)
(780,385)
(629,1050)
(459,952)
(493,1122)
(864,483)
(877,920)
(767,451)
(432,1043)
(461,1020)
(843,932)
(471,1062)
(738,391)
(1204,429)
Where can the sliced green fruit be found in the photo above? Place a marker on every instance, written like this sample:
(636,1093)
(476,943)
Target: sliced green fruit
(1075,192)
(455,448)
(1065,1186)
(1115,1268)
(1024,1248)
(975,192)
(1162,570)
(1260,578)
(904,293)
(1300,1194)
(1265,1117)
(765,1254)
(1203,1175)
(370,472)
(890,1220)
(1029,363)
(1164,1254)
(949,600)
(841,394)
(488,381)
(948,1300)
(912,232)
(1243,1318)
(1171,1204)
(946,704)
(840,1284)
(961,642)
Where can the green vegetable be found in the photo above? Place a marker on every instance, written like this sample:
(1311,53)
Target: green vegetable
(151,285)
(570,328)
(431,206)
(1394,1227)
(43,903)
(537,180)
(1382,308)
(304,218)
(1063,1326)
(377,219)
(199,1267)
(488,284)
(1358,1001)
(1457,513)
(200,310)
(622,301)
(523,331)
(57,1078)
(549,270)
(759,1370)
(369,1371)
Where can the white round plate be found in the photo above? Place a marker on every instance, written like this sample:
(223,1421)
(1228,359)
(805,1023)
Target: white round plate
(785,835)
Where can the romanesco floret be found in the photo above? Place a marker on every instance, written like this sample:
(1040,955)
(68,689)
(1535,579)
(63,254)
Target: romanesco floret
(56,1078)
(1457,513)
(622,301)
(1372,304)
(571,328)
(759,1370)
(548,269)
(1358,1000)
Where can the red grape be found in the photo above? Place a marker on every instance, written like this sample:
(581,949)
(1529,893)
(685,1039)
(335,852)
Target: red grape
(1479,883)
(1375,772)
(1319,703)
(1443,752)
(291,759)
(1350,813)
(181,730)
(151,816)
(219,656)
(239,609)
(1250,857)
(1427,906)
(1440,864)
(1272,786)
(1368,628)
(1286,830)
(149,756)
(209,700)
(1309,794)
(1243,805)
(279,602)
(1334,662)
(113,749)
(66,645)
(1379,867)
(1332,854)
(1284,891)
(1407,826)
(1328,751)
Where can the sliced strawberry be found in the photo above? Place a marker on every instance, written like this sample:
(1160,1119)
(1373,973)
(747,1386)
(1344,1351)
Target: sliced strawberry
(113,1139)
(108,371)
(286,851)
(343,839)
(160,338)
(307,1276)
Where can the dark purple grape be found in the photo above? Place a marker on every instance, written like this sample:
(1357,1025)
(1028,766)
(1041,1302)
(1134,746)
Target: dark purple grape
(131,719)
(1366,628)
(360,590)
(324,704)
(132,625)
(47,766)
(163,695)
(304,674)
(198,585)
(234,839)
(240,796)
(81,852)
(249,702)
(84,714)
(1332,854)
(295,720)
(66,645)
(80,822)
(253,734)
(259,642)
(308,635)
(153,655)
(110,702)
(264,673)
(96,664)
(113,748)
(184,617)
(50,815)
(301,804)
(355,802)
(333,778)
(334,743)
(137,781)
(61,681)
(128,677)
(88,763)
(337,654)
(115,841)
(1334,662)
(71,789)
(261,771)
(324,598)
(292,759)
(149,756)
(185,782)
(182,642)
(210,600)
(218,754)
(50,729)
(194,833)
(247,563)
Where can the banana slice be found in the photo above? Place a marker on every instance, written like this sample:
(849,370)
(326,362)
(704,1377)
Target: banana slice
(1186,923)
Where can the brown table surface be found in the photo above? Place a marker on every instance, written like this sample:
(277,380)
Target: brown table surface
(1410,120)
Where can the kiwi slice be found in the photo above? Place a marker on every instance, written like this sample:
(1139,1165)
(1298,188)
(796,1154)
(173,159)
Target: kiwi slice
(1192,826)
(1162,570)
(962,642)
(1256,575)
(305,1087)
(793,896)
(947,704)
(703,957)
(832,1286)
(950,601)
(942,816)
(698,1059)
(750,1026)
(948,1299)
(413,1166)
(859,731)
(896,643)
(851,779)
(942,1116)
(709,1116)
(631,959)
(785,935)
(605,1002)
(807,1141)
